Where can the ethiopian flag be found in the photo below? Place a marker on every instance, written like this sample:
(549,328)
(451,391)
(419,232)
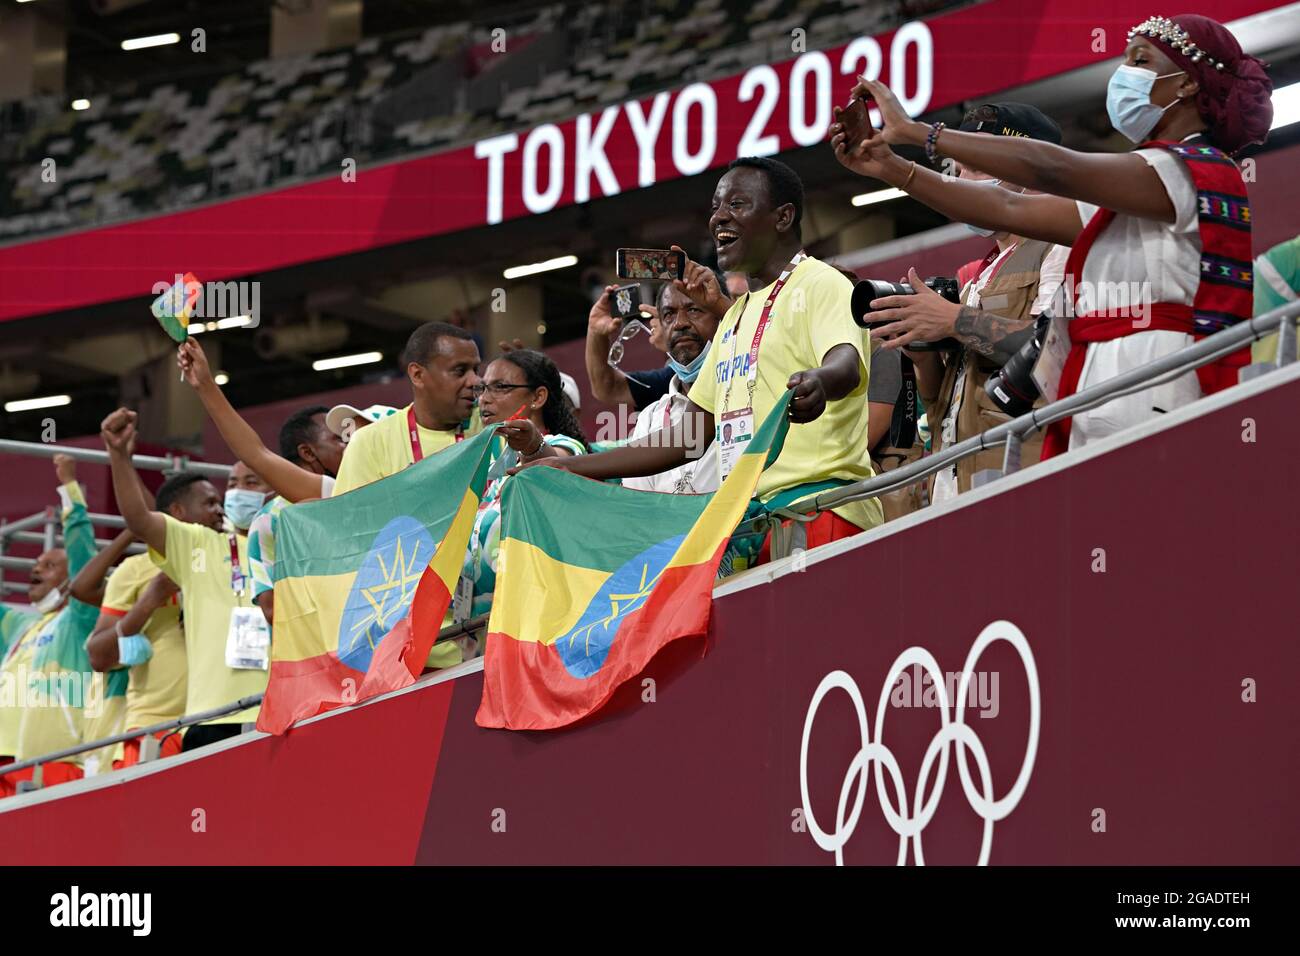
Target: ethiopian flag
(363,581)
(594,579)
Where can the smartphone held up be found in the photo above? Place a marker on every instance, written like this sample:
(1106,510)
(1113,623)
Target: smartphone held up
(649,264)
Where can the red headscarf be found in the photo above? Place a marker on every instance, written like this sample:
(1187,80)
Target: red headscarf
(1235,98)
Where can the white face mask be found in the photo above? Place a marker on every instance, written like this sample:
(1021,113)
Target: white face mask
(1128,101)
(53,598)
(976,229)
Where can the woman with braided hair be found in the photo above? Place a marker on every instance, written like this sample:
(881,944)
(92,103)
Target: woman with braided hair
(522,392)
(1160,236)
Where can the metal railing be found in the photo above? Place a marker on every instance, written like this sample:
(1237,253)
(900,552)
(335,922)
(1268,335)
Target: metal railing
(172,463)
(1012,433)
(451,633)
(20,529)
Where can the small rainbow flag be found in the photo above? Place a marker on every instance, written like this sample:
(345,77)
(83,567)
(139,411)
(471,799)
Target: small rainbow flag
(595,579)
(173,308)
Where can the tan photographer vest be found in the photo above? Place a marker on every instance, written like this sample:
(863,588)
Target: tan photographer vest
(1011,293)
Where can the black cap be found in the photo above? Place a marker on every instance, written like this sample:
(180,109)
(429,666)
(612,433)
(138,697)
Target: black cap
(1011,119)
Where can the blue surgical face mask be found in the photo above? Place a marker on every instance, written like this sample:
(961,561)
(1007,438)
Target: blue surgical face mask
(688,373)
(242,507)
(1128,101)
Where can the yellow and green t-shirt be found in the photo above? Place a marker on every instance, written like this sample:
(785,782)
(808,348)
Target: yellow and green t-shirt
(1277,282)
(19,633)
(59,677)
(811,316)
(198,560)
(158,686)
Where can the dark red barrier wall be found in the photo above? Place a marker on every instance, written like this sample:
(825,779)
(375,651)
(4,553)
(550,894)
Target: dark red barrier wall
(1141,672)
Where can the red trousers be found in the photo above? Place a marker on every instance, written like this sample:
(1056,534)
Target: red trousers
(52,773)
(825,528)
(171,746)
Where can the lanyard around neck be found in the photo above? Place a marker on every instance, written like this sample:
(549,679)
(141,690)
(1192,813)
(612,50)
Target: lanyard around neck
(763,319)
(413,429)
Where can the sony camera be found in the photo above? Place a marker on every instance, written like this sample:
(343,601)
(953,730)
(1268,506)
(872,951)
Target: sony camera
(1012,387)
(870,289)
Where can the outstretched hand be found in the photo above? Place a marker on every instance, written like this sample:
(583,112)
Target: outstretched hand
(559,461)
(809,399)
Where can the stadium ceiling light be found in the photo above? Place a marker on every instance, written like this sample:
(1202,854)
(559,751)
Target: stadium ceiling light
(27,404)
(1286,106)
(81,104)
(344,361)
(143,43)
(221,378)
(880,195)
(235,322)
(196,328)
(561,262)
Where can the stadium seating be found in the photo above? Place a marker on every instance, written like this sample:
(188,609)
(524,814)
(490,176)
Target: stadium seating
(144,151)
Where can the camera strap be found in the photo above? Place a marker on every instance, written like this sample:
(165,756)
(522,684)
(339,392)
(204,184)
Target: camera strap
(902,426)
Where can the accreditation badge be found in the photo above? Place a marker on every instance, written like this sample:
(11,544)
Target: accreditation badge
(462,601)
(734,431)
(248,640)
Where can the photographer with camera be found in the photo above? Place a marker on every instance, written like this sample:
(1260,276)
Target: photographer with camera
(978,333)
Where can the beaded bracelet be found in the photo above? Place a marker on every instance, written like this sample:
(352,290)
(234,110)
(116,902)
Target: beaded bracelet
(931,140)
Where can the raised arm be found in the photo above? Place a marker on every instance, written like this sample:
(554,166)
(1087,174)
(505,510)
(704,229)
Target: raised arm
(78,534)
(118,433)
(88,585)
(1119,181)
(608,385)
(1050,218)
(289,480)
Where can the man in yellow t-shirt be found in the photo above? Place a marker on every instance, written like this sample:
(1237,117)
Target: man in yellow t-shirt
(809,344)
(139,627)
(218,590)
(441,362)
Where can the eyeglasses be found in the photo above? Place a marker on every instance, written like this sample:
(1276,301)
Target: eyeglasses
(496,388)
(630,329)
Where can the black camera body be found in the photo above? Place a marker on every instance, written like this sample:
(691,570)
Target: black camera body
(868,290)
(1012,387)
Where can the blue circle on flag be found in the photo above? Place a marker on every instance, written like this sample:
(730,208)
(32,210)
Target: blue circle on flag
(383,588)
(584,648)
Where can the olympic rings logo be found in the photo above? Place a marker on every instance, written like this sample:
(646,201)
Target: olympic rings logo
(952,730)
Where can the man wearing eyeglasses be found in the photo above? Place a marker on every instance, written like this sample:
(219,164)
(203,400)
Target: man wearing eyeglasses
(441,363)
